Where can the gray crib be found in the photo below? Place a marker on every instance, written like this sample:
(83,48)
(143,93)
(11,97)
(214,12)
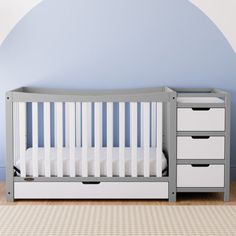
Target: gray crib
(121,144)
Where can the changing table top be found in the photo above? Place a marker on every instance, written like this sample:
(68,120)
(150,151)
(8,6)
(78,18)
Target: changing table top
(199,100)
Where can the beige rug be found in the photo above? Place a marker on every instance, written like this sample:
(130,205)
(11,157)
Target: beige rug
(117,220)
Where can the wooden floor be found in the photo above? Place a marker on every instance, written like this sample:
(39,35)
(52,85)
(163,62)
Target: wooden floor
(182,199)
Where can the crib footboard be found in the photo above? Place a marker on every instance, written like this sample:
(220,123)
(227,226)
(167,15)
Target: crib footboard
(69,144)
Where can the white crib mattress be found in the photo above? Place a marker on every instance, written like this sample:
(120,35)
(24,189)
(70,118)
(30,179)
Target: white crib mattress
(91,158)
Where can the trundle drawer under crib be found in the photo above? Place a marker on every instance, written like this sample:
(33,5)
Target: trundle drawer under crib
(91,190)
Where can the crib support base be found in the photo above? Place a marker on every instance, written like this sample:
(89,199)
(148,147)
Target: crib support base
(100,190)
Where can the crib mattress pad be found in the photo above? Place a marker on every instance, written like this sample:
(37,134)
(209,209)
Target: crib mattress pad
(39,153)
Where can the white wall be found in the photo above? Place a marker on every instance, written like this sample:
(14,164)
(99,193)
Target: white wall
(11,11)
(223,14)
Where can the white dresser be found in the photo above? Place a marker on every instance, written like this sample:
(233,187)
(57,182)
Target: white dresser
(203,141)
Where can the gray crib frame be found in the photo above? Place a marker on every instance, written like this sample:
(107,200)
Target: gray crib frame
(161,94)
(31,94)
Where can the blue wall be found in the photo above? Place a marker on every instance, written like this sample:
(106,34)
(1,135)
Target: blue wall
(116,44)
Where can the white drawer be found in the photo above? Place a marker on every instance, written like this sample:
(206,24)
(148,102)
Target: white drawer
(78,190)
(203,147)
(197,119)
(207,176)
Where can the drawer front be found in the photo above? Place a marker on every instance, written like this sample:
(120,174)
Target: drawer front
(78,190)
(196,119)
(195,176)
(200,147)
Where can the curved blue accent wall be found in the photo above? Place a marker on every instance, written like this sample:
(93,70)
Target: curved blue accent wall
(116,44)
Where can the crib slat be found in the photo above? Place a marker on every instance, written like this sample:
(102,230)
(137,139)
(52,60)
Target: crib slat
(141,123)
(133,138)
(89,117)
(67,124)
(59,137)
(85,114)
(78,124)
(71,126)
(98,136)
(47,137)
(35,137)
(22,139)
(159,128)
(121,139)
(35,124)
(146,139)
(55,125)
(153,124)
(109,138)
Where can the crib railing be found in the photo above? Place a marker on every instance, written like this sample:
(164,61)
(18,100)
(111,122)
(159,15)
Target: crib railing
(73,128)
(131,120)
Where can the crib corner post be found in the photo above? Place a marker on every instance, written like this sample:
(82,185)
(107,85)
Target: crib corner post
(172,147)
(227,147)
(9,147)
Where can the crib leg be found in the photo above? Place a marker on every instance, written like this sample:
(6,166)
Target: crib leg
(9,192)
(9,148)
(172,196)
(226,196)
(172,149)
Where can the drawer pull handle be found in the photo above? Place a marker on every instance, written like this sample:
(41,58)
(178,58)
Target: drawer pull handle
(91,182)
(200,165)
(200,137)
(28,179)
(201,108)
